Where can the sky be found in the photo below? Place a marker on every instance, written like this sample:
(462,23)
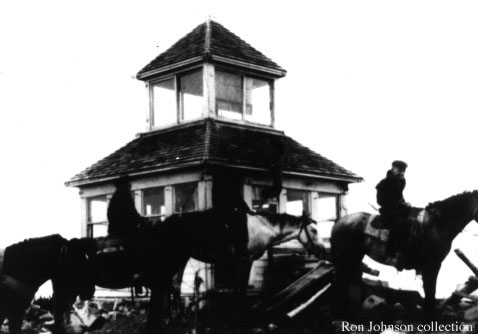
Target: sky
(368,82)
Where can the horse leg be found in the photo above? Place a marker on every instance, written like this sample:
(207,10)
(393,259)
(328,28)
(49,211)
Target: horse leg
(430,274)
(243,271)
(15,320)
(177,280)
(3,306)
(156,307)
(62,301)
(241,280)
(348,277)
(3,314)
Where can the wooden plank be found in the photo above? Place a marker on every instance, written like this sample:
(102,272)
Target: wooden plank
(470,286)
(310,301)
(464,295)
(318,276)
(467,261)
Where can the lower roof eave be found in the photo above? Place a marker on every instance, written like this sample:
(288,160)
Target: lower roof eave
(109,178)
(87,182)
(340,178)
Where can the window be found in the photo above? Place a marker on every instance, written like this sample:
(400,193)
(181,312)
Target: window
(297,202)
(261,204)
(154,203)
(164,103)
(97,224)
(258,108)
(191,95)
(185,197)
(243,98)
(229,95)
(184,99)
(327,209)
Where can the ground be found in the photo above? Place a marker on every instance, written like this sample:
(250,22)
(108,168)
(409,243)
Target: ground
(381,309)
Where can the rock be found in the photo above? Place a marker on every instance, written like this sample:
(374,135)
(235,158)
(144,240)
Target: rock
(373,302)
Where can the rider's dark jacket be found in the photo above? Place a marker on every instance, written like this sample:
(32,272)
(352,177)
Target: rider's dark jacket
(390,194)
(123,217)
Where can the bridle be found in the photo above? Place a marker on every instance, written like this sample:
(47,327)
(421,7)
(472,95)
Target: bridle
(309,245)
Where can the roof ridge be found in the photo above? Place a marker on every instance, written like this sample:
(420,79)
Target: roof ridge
(210,41)
(207,47)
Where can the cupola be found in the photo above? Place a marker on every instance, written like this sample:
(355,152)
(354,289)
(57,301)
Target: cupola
(210,73)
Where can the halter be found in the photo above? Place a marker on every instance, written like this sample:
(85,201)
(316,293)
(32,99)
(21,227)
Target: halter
(303,227)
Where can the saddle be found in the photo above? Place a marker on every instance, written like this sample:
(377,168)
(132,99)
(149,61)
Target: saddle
(378,233)
(414,216)
(114,254)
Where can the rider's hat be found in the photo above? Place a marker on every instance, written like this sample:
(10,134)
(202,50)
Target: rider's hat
(400,165)
(122,181)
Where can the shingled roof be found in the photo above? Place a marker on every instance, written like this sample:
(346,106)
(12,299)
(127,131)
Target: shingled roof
(210,142)
(210,41)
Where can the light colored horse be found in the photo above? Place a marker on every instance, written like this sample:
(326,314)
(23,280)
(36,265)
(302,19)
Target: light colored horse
(164,250)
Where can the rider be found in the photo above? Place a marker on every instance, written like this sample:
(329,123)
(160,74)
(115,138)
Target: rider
(231,207)
(123,217)
(124,220)
(393,208)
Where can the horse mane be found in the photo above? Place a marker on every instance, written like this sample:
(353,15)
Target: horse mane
(280,219)
(35,255)
(275,219)
(453,206)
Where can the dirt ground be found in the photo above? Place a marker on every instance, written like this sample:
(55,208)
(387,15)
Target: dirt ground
(389,313)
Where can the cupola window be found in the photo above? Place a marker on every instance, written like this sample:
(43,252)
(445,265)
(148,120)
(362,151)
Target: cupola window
(243,98)
(164,102)
(177,99)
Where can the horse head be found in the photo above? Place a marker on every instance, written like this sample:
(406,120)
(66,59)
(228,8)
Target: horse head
(77,268)
(309,235)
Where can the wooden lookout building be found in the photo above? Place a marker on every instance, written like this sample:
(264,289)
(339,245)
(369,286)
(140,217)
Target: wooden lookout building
(211,133)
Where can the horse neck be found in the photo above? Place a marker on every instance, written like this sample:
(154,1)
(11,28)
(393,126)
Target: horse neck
(273,234)
(43,263)
(451,226)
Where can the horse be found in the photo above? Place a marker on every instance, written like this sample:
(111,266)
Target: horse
(161,251)
(430,235)
(26,265)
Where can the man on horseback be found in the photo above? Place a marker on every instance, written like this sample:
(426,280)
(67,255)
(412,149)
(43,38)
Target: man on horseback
(124,220)
(122,215)
(393,208)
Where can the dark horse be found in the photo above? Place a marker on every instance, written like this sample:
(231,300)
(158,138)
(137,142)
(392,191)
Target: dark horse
(158,253)
(26,265)
(429,242)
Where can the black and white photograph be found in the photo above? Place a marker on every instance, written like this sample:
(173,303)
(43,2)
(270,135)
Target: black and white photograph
(253,167)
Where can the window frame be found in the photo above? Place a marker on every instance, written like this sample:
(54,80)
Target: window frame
(179,105)
(308,193)
(155,217)
(89,223)
(173,193)
(243,77)
(321,195)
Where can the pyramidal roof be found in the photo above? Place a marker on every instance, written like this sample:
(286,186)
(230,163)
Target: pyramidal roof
(212,42)
(210,142)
